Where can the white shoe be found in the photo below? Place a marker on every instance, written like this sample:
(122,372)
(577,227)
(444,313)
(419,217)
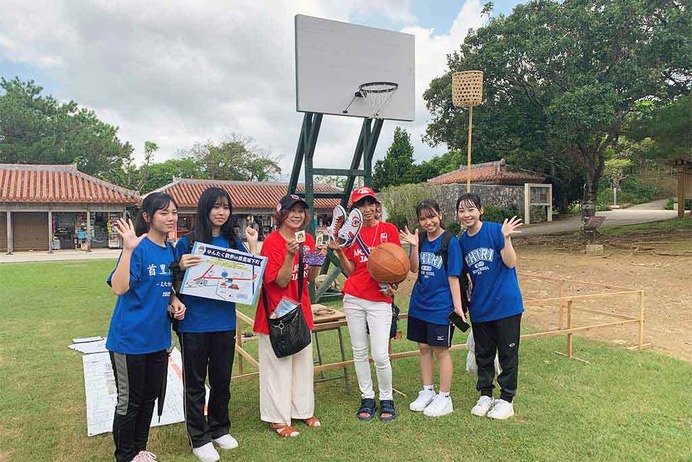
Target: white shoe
(351,228)
(226,442)
(501,410)
(425,397)
(206,453)
(483,406)
(441,405)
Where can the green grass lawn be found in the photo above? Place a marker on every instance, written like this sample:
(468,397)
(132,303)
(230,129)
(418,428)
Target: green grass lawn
(676,224)
(624,406)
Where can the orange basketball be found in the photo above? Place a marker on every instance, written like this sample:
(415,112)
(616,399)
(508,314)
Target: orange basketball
(388,263)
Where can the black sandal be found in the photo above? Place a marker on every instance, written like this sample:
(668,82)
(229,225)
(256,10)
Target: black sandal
(367,407)
(387,407)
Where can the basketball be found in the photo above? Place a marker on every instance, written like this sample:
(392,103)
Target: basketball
(388,263)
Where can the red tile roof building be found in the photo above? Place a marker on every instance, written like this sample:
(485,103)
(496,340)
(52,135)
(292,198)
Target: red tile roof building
(250,196)
(23,183)
(494,172)
(47,207)
(256,200)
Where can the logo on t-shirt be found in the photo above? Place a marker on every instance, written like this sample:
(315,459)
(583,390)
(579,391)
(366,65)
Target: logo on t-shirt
(477,258)
(384,238)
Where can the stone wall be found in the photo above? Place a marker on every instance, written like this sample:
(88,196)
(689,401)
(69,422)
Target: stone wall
(406,197)
(501,196)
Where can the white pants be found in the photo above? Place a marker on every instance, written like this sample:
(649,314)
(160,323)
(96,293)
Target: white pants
(286,384)
(361,316)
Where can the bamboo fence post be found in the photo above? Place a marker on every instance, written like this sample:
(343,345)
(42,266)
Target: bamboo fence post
(468,152)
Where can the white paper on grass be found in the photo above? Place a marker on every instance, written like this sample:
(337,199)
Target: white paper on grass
(102,397)
(90,347)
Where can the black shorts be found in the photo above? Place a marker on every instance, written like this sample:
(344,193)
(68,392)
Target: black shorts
(435,335)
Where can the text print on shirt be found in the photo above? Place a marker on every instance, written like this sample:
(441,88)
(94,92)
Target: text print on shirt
(476,259)
(294,274)
(429,260)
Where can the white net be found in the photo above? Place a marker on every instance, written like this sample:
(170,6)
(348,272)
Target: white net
(378,95)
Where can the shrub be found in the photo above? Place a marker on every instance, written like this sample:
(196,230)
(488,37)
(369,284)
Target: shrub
(454,228)
(498,215)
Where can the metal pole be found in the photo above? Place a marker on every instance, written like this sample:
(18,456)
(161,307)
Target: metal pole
(641,319)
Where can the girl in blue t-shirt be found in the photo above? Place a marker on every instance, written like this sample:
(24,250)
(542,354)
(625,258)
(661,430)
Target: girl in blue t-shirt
(496,304)
(140,329)
(435,295)
(207,335)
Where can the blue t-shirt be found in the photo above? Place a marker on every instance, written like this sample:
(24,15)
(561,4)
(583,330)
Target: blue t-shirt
(140,322)
(495,294)
(431,299)
(205,314)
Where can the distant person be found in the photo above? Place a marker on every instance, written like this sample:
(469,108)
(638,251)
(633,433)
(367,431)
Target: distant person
(496,304)
(140,331)
(207,335)
(436,257)
(286,384)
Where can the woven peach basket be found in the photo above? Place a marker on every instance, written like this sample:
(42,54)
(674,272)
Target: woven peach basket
(467,88)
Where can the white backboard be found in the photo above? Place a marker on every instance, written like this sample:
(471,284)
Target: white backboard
(333,58)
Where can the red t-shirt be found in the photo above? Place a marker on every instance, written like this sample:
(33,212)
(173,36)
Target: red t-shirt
(274,248)
(360,284)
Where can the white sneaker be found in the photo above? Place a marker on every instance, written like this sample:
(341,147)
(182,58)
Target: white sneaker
(351,228)
(226,442)
(206,453)
(483,406)
(425,397)
(441,405)
(338,220)
(501,410)
(144,456)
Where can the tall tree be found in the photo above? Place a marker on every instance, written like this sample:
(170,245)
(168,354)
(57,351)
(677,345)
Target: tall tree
(236,158)
(561,79)
(397,167)
(36,129)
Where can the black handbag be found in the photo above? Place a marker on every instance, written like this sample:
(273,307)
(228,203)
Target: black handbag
(289,334)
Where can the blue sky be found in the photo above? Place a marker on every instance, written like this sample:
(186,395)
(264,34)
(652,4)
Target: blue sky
(177,73)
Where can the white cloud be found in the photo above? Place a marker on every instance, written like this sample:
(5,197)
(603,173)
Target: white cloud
(178,72)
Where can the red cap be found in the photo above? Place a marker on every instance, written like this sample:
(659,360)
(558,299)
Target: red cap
(360,193)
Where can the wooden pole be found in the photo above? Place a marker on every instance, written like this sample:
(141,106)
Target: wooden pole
(468,152)
(681,190)
(641,319)
(569,326)
(10,234)
(561,314)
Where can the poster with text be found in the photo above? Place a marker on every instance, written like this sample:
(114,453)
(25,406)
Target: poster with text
(224,274)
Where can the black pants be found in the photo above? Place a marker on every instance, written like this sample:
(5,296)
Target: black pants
(138,379)
(210,352)
(501,337)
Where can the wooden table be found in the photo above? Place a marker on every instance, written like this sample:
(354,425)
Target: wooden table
(324,322)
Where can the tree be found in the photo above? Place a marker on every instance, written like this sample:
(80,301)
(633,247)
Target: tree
(669,126)
(36,129)
(614,170)
(160,174)
(236,158)
(561,79)
(397,166)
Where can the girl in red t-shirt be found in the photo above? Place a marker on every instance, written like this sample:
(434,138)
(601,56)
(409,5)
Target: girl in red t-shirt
(286,384)
(368,307)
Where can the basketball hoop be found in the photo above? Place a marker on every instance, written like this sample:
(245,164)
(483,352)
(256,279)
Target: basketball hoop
(377,95)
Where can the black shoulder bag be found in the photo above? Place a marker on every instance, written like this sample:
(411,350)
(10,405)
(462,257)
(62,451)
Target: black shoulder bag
(289,334)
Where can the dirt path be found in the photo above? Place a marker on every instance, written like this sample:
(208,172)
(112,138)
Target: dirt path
(661,265)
